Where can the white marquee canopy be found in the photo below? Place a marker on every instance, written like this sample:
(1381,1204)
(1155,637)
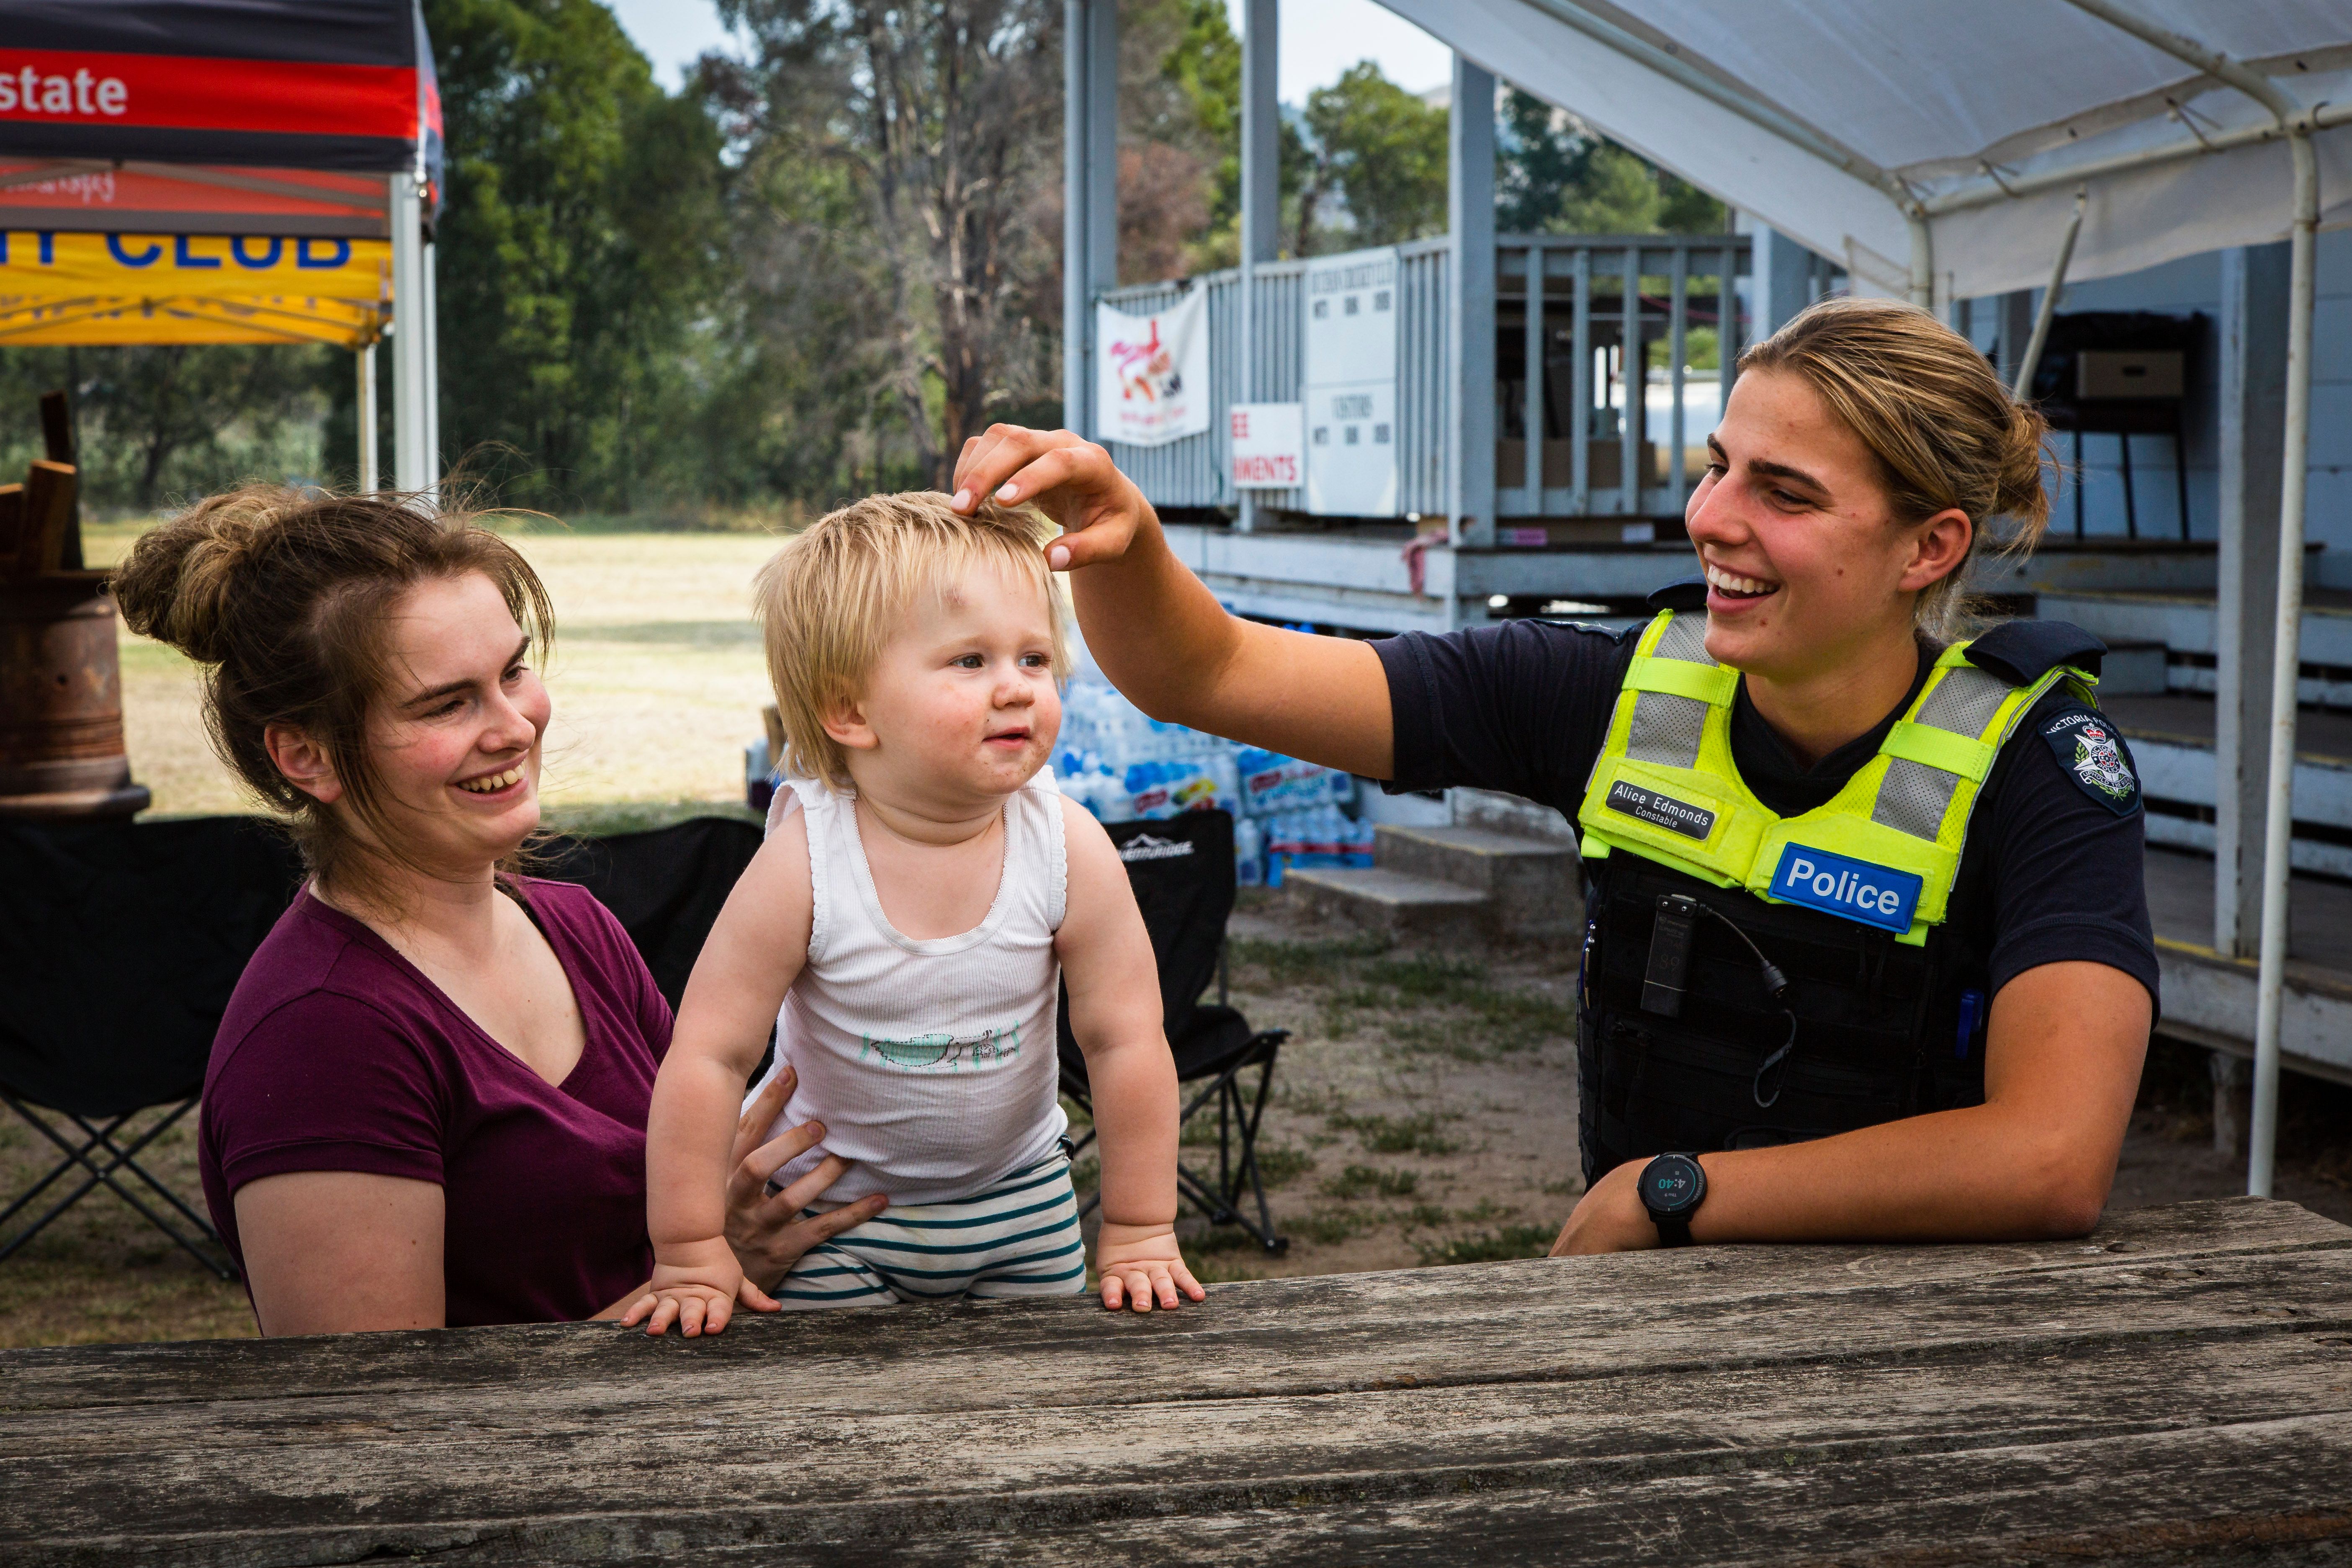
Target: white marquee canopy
(1853,125)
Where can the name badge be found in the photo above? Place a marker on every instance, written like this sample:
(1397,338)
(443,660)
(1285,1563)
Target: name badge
(1661,811)
(1853,890)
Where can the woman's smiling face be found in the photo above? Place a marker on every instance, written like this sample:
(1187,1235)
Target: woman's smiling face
(455,735)
(1806,566)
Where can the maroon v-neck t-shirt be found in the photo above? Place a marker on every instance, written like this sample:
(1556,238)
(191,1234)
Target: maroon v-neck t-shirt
(336,1054)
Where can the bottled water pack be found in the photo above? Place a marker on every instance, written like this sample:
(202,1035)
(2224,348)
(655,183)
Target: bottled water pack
(1121,766)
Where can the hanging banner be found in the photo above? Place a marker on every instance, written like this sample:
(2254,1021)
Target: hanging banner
(63,288)
(1152,376)
(75,265)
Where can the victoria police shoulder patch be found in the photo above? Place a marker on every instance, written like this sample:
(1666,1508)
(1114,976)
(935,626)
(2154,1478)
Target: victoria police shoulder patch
(2091,749)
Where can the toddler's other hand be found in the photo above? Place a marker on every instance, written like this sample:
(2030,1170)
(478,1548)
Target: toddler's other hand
(1140,1265)
(695,1286)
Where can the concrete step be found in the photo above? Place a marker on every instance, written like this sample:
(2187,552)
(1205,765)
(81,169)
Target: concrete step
(1532,882)
(1393,903)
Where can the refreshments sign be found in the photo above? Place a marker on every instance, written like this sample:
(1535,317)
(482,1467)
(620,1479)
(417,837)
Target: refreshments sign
(1269,445)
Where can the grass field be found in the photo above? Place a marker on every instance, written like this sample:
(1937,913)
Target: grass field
(656,678)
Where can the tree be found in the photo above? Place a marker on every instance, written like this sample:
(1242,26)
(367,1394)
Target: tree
(1554,177)
(578,253)
(1381,151)
(158,422)
(939,119)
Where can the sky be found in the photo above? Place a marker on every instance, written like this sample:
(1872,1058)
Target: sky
(1320,38)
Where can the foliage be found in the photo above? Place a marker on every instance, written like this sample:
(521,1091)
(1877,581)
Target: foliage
(930,129)
(1379,151)
(156,423)
(1554,177)
(578,255)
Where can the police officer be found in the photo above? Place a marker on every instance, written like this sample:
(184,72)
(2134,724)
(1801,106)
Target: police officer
(1867,950)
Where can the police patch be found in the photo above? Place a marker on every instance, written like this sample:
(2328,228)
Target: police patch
(2089,747)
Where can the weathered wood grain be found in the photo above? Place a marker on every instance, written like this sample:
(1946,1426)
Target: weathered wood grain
(2116,1400)
(1391,1314)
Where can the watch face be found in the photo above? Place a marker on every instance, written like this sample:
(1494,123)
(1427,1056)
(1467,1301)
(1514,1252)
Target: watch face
(1672,1183)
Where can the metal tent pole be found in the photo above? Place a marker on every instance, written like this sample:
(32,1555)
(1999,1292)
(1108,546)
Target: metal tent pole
(411,462)
(364,420)
(431,395)
(2278,825)
(1090,192)
(1261,212)
(2286,645)
(2032,360)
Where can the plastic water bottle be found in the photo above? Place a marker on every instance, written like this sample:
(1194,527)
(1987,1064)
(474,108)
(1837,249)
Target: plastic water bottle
(1249,853)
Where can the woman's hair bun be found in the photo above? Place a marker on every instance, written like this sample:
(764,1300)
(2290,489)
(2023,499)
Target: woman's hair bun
(181,578)
(2019,493)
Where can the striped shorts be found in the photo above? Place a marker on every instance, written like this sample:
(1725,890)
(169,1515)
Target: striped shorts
(1020,1238)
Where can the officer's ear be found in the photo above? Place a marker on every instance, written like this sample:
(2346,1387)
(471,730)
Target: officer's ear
(1938,547)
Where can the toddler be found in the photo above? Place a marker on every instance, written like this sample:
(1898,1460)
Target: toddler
(922,889)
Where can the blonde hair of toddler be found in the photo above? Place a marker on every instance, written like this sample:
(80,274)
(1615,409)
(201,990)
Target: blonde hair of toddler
(841,588)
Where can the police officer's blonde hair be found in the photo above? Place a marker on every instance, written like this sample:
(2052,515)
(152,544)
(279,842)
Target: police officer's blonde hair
(841,588)
(1945,432)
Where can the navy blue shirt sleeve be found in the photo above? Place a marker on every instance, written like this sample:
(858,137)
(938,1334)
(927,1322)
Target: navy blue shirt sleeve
(1520,706)
(2067,869)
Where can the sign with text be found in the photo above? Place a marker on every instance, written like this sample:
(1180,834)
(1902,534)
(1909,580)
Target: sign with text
(1151,378)
(1350,383)
(1269,445)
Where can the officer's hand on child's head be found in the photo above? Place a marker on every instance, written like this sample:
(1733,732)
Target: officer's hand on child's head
(1066,477)
(1141,1266)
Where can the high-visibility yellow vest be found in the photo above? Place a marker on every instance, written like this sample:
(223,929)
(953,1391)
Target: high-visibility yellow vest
(1884,851)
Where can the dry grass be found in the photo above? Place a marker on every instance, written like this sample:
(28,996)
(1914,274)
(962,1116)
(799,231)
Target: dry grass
(656,675)
(101,1273)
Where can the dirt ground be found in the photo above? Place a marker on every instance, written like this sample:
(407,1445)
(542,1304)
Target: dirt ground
(1424,1108)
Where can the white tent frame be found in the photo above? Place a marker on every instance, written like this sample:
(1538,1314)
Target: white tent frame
(415,357)
(1837,180)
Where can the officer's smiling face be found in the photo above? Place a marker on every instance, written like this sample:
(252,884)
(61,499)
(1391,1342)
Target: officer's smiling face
(1807,570)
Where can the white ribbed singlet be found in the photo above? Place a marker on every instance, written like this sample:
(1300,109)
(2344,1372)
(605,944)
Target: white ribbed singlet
(931,1063)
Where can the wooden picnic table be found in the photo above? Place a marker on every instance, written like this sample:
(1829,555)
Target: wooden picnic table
(2176,1387)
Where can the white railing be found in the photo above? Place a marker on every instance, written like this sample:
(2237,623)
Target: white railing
(1639,454)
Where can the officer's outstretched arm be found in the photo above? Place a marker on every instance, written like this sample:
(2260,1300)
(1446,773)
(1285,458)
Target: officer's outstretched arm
(2035,1159)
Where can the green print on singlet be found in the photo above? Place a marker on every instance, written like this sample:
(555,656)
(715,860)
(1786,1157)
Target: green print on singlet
(945,1053)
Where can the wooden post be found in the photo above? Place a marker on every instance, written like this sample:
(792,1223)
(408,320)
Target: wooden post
(58,437)
(48,518)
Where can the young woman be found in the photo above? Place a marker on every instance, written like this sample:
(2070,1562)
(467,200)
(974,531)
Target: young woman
(426,1103)
(1867,950)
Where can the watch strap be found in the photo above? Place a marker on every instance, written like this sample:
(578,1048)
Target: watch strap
(1672,1231)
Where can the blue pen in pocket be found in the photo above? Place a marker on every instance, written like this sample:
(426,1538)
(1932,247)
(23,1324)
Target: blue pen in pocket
(1971,1013)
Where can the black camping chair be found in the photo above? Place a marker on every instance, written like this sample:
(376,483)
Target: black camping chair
(1182,873)
(666,887)
(120,944)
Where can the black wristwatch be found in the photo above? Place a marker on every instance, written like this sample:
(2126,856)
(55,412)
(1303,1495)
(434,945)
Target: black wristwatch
(1673,1187)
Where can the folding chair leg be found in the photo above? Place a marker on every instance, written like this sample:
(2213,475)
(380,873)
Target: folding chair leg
(119,1158)
(72,1162)
(1219,1204)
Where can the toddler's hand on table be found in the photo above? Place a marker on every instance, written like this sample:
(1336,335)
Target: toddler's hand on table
(1140,1265)
(695,1286)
